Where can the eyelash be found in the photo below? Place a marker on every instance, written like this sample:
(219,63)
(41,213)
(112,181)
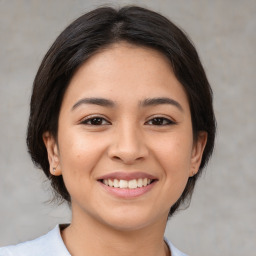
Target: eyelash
(102,121)
(88,121)
(162,120)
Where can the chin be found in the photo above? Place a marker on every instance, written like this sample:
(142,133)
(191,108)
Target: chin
(133,220)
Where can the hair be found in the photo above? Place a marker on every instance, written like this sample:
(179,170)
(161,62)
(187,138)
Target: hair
(99,29)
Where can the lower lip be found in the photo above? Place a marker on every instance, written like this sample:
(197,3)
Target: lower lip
(126,192)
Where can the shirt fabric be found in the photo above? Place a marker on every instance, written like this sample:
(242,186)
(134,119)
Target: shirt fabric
(52,244)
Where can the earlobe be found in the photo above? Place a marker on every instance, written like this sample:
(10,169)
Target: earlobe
(197,153)
(53,153)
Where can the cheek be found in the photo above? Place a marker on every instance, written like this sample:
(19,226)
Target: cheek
(176,170)
(174,152)
(79,155)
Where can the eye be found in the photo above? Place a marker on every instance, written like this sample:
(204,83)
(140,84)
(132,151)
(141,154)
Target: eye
(95,121)
(160,121)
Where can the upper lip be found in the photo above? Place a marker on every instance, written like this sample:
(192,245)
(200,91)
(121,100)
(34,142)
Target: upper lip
(126,176)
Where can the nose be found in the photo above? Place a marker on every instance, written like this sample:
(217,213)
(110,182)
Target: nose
(128,145)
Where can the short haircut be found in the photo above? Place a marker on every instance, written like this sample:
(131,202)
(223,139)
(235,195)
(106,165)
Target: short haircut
(99,29)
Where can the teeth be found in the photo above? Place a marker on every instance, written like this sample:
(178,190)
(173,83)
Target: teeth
(131,184)
(139,183)
(123,184)
(116,183)
(110,183)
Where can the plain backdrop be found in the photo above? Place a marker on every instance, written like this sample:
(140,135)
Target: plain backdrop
(221,219)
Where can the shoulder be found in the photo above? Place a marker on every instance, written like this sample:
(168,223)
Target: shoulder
(173,249)
(50,244)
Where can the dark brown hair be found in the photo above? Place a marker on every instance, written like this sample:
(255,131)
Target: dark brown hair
(89,34)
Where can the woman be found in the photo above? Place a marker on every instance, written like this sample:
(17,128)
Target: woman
(121,122)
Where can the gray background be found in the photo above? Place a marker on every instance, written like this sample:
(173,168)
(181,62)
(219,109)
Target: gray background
(222,217)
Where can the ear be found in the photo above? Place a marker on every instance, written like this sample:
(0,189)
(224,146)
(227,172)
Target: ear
(53,153)
(197,152)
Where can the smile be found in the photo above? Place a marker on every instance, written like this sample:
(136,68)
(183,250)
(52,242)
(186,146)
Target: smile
(130,184)
(127,185)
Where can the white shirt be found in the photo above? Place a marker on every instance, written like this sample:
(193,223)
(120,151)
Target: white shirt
(52,244)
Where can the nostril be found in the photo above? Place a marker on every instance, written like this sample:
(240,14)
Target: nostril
(127,159)
(128,149)
(117,157)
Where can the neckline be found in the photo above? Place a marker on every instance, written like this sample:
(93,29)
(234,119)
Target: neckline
(60,227)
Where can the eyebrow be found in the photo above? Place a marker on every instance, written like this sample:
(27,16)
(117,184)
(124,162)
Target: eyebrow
(145,103)
(95,101)
(160,101)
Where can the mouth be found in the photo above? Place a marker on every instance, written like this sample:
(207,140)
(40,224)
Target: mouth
(127,184)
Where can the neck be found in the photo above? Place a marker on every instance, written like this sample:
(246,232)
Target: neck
(94,238)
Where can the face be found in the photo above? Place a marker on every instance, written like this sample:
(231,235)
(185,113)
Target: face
(125,142)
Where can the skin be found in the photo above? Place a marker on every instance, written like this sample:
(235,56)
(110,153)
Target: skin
(128,139)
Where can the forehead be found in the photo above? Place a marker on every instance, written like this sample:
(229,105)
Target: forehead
(126,71)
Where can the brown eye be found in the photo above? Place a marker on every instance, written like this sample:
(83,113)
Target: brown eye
(95,121)
(160,121)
